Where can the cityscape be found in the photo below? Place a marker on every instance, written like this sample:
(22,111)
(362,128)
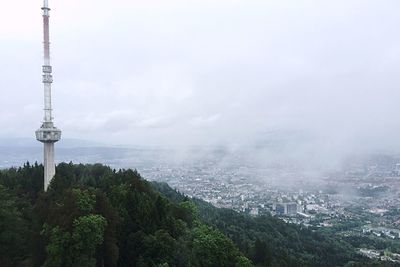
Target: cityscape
(360,200)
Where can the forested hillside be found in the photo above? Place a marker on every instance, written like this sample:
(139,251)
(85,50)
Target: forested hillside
(93,215)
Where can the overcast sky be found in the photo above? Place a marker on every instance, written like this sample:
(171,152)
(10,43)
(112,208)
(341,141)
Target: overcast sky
(205,72)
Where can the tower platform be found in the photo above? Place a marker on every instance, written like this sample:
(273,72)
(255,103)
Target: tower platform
(47,133)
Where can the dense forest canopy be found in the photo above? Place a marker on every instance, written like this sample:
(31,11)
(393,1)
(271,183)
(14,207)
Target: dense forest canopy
(93,215)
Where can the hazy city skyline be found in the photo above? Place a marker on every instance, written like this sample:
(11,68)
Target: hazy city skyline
(209,72)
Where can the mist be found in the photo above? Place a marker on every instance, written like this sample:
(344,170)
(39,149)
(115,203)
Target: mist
(285,82)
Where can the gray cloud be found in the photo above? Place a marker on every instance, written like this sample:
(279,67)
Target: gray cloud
(209,72)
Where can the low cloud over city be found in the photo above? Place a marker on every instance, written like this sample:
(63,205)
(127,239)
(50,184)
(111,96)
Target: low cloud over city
(207,73)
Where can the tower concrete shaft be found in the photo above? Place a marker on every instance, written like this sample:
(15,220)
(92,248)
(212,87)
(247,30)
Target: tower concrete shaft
(48,134)
(49,166)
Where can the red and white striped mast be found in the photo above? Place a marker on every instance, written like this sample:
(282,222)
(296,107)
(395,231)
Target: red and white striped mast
(48,134)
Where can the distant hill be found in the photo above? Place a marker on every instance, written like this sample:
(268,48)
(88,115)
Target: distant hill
(31,142)
(19,142)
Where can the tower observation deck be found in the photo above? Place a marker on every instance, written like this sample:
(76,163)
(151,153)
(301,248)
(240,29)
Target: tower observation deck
(48,134)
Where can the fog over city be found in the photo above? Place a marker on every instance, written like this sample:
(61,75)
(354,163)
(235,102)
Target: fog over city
(200,133)
(306,80)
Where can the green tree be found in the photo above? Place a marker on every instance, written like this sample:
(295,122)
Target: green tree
(77,248)
(212,248)
(84,199)
(87,234)
(14,231)
(57,247)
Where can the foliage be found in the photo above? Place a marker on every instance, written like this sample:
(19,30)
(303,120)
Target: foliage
(85,200)
(268,241)
(93,215)
(212,248)
(13,228)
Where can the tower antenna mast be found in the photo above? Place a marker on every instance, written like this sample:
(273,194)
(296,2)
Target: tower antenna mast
(48,134)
